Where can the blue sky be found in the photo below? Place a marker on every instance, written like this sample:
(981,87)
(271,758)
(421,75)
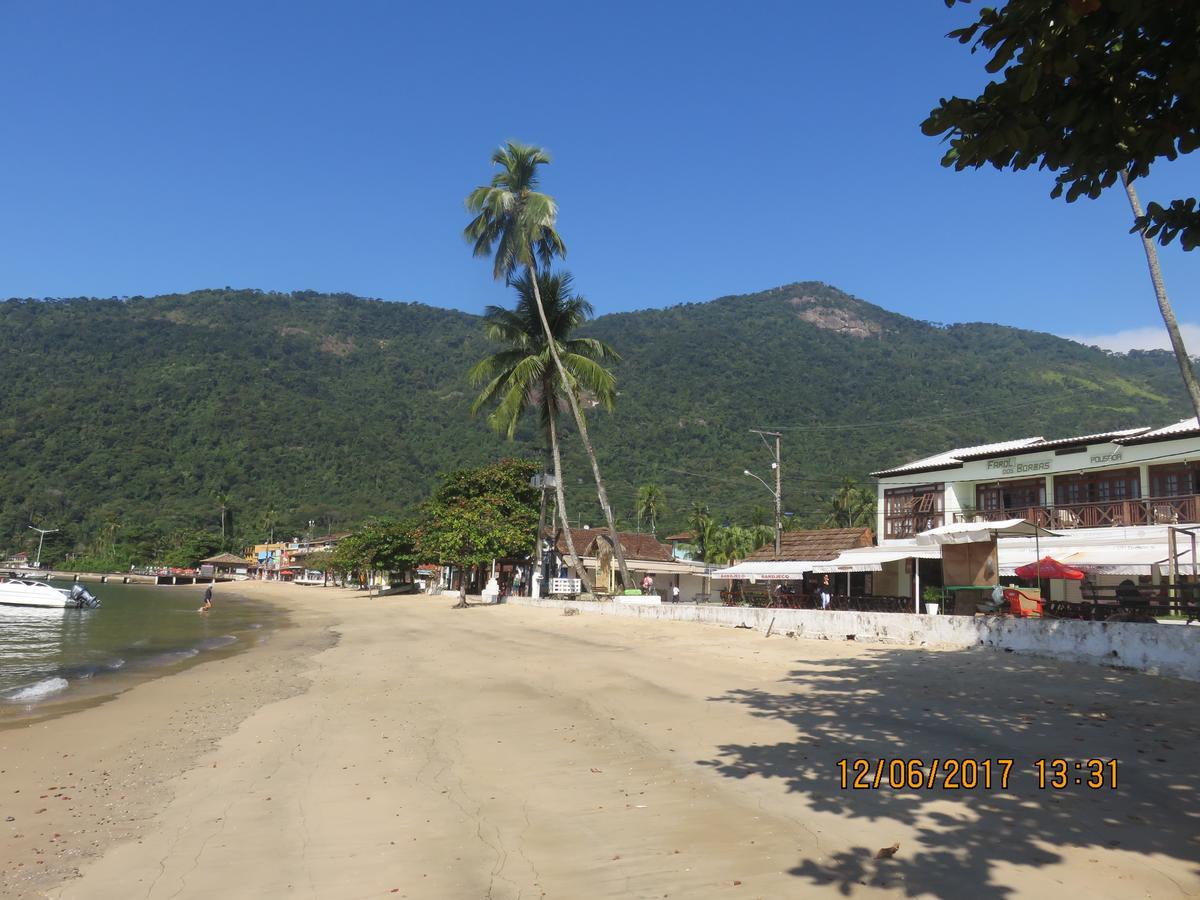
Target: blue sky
(701,149)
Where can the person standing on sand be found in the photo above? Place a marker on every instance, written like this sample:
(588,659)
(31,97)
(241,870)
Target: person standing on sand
(207,600)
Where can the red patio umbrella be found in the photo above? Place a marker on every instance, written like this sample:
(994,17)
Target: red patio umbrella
(1049,567)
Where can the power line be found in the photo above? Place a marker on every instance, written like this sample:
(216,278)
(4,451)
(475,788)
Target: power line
(914,419)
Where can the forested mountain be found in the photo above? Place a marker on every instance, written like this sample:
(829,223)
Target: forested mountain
(134,421)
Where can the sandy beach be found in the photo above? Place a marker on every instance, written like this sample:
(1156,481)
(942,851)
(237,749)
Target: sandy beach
(396,747)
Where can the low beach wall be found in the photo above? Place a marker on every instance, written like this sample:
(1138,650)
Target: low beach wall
(1172,650)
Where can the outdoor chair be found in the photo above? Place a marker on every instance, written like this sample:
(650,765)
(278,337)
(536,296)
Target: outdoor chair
(1165,514)
(1066,518)
(1023,606)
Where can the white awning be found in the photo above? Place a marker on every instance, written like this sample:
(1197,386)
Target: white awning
(1115,560)
(871,559)
(1098,559)
(1183,559)
(768,570)
(656,566)
(972,532)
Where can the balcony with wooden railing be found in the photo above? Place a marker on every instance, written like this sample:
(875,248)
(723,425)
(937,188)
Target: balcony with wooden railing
(1101,514)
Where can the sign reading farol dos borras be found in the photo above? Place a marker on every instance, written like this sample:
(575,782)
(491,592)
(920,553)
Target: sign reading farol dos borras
(1021,465)
(1013,465)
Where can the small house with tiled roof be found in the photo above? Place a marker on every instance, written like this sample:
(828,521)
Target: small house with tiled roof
(225,564)
(681,544)
(644,555)
(801,553)
(819,545)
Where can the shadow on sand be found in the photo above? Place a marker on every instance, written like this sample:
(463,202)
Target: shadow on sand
(905,704)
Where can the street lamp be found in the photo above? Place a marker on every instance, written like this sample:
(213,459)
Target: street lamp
(774,493)
(37,564)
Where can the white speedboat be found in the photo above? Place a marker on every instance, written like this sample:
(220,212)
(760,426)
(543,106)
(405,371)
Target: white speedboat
(26,592)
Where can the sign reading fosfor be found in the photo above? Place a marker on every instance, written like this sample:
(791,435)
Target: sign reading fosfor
(1011,466)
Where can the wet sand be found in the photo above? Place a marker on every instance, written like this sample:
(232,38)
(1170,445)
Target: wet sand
(395,747)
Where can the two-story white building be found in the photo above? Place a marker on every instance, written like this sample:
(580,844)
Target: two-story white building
(1110,498)
(1132,478)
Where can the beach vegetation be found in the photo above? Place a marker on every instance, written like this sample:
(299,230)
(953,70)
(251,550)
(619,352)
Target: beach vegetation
(515,225)
(651,504)
(850,506)
(382,544)
(478,515)
(522,376)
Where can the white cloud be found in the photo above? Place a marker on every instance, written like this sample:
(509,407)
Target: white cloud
(1148,338)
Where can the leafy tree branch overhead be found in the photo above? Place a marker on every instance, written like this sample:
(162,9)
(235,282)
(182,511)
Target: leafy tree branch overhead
(1089,89)
(1096,91)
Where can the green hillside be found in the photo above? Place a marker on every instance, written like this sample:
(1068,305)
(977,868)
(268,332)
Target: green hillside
(126,420)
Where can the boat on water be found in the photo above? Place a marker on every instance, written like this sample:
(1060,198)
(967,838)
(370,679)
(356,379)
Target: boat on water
(28,592)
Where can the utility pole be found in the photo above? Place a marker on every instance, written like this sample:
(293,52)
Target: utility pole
(778,483)
(42,536)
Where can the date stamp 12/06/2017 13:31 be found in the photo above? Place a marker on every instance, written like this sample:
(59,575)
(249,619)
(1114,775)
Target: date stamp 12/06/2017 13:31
(965,774)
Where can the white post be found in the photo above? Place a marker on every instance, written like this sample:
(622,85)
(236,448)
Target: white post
(916,585)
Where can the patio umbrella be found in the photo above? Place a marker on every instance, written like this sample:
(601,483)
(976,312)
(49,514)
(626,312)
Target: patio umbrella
(1048,567)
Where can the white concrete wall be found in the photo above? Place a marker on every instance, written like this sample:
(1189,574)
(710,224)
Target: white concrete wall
(1172,650)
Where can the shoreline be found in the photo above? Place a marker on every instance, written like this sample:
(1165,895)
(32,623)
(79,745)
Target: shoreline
(393,746)
(90,684)
(92,772)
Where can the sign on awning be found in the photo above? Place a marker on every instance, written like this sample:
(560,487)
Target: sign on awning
(768,570)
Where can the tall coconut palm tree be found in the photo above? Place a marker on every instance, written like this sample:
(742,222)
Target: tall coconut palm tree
(222,499)
(515,224)
(1165,309)
(651,503)
(523,376)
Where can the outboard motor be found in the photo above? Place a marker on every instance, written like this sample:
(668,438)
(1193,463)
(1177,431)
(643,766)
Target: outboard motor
(83,598)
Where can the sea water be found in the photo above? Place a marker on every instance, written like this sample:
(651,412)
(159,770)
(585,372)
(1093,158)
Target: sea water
(51,659)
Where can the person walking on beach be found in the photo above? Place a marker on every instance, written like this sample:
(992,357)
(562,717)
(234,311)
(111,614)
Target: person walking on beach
(674,593)
(826,592)
(207,600)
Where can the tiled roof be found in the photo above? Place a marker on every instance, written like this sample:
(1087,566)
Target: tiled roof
(635,546)
(1183,428)
(952,459)
(1100,437)
(814,546)
(682,536)
(226,559)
